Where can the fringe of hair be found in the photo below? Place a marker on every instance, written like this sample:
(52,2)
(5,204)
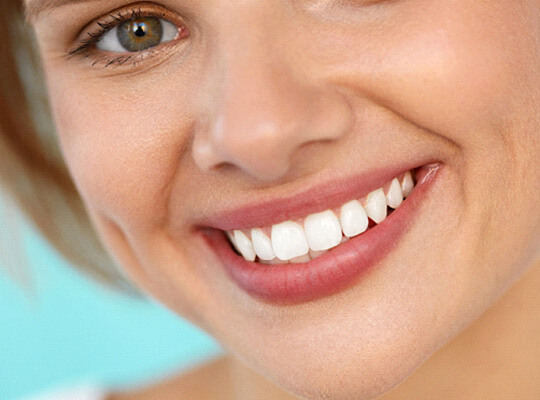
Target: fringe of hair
(32,172)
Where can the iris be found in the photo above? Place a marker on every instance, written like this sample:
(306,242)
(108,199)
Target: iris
(140,33)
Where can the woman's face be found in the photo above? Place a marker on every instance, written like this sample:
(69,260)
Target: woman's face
(235,115)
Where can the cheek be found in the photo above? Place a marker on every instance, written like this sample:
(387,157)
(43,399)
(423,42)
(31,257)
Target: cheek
(122,145)
(458,72)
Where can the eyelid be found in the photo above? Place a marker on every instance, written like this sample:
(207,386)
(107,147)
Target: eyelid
(94,31)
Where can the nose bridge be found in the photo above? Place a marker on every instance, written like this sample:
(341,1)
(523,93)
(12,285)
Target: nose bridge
(252,66)
(262,109)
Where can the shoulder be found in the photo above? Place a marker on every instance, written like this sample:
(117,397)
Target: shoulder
(209,381)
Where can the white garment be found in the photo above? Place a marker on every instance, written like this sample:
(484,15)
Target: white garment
(79,393)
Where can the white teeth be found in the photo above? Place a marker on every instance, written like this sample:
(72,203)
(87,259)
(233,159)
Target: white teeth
(394,197)
(323,230)
(353,218)
(301,242)
(244,245)
(289,240)
(376,206)
(262,244)
(407,184)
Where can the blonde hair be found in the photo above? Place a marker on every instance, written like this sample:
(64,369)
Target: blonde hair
(32,172)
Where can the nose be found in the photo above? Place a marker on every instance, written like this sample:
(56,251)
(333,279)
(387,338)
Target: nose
(263,110)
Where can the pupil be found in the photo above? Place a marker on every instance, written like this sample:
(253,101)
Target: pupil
(139,29)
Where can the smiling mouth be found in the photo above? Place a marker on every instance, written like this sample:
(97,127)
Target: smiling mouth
(305,239)
(292,258)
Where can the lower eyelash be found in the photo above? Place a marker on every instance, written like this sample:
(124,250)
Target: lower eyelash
(118,60)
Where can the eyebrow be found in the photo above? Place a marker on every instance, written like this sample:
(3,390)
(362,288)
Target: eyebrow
(35,7)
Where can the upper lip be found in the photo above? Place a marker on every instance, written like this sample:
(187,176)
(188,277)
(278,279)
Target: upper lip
(318,197)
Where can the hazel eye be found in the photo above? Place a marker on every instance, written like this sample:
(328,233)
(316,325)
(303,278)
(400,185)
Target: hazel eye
(138,34)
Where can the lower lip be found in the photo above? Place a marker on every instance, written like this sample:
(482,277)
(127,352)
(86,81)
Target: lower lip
(332,272)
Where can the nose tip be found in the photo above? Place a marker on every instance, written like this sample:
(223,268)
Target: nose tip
(261,135)
(258,147)
(251,151)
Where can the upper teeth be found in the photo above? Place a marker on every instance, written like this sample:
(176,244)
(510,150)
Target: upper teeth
(303,240)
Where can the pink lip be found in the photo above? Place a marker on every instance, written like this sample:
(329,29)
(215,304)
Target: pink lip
(329,273)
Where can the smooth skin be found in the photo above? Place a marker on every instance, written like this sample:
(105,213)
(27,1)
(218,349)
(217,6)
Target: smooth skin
(266,98)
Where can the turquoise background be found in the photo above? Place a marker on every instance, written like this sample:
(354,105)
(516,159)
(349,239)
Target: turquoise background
(58,328)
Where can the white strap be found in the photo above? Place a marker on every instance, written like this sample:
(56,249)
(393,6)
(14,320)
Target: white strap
(79,393)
